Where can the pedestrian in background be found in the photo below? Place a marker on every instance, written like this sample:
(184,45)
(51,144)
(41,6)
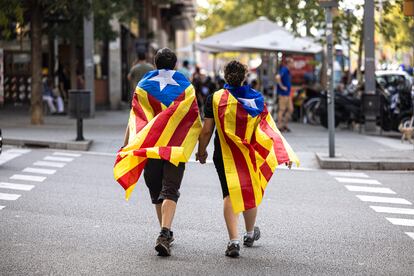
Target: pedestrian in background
(285,104)
(140,68)
(247,149)
(185,69)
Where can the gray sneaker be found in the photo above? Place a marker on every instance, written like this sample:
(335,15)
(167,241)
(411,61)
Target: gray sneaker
(248,241)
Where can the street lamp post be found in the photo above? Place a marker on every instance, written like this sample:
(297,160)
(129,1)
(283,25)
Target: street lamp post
(329,5)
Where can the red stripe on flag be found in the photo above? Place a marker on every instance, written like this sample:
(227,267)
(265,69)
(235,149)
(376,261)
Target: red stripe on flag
(132,176)
(165,153)
(241,121)
(155,104)
(159,124)
(281,154)
(240,162)
(266,171)
(140,118)
(184,126)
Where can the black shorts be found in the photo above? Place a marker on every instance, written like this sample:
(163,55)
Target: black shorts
(219,164)
(163,180)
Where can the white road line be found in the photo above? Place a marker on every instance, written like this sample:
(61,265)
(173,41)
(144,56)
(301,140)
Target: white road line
(349,174)
(410,234)
(402,222)
(12,186)
(395,200)
(8,155)
(40,171)
(54,158)
(34,178)
(8,196)
(67,154)
(357,180)
(393,210)
(378,190)
(49,164)
(2,207)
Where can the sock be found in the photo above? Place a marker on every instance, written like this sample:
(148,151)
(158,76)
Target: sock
(234,241)
(165,231)
(250,234)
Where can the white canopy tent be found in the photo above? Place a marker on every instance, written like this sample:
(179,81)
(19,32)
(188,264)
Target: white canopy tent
(260,35)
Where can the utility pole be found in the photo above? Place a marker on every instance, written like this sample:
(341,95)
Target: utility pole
(370,99)
(329,5)
(88,43)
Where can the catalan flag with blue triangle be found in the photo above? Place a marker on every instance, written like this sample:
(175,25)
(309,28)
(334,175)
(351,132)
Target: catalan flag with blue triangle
(251,144)
(164,123)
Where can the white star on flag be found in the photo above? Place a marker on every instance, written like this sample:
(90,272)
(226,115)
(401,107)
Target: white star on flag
(249,102)
(164,77)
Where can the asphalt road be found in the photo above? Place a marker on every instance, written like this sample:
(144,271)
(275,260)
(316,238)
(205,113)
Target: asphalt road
(73,220)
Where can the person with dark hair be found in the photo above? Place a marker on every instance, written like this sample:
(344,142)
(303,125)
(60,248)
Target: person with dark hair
(197,81)
(247,148)
(185,69)
(163,101)
(140,68)
(285,104)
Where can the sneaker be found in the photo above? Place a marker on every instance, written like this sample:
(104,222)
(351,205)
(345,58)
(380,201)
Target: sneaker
(162,245)
(171,239)
(233,250)
(248,241)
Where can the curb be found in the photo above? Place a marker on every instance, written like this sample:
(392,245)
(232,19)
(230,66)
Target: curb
(342,163)
(68,145)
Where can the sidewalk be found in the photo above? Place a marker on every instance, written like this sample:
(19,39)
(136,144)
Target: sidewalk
(105,134)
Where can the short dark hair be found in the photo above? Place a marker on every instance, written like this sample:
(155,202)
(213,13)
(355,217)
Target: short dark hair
(235,73)
(185,63)
(165,58)
(141,56)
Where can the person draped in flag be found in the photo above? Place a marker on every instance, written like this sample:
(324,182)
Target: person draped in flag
(247,148)
(162,132)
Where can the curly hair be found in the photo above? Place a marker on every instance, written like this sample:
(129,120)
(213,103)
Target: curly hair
(165,58)
(235,73)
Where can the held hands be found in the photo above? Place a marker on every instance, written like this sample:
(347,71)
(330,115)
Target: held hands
(289,164)
(201,157)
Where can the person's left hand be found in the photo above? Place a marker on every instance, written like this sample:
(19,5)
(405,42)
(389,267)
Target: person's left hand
(201,157)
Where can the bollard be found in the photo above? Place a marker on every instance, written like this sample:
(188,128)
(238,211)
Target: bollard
(79,108)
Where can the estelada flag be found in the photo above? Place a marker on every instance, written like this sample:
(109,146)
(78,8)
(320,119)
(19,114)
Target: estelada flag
(251,144)
(164,123)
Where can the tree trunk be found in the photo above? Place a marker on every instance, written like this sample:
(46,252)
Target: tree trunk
(360,48)
(36,47)
(73,64)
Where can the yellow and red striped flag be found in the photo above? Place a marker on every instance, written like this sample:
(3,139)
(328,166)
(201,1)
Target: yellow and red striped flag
(164,123)
(252,146)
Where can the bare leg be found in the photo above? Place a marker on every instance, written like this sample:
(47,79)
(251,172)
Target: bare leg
(159,213)
(280,119)
(250,219)
(168,211)
(231,219)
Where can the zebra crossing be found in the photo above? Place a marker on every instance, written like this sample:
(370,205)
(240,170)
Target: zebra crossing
(376,193)
(29,177)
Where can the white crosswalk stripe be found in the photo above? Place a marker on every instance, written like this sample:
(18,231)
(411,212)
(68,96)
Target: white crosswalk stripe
(379,190)
(410,234)
(67,154)
(2,207)
(13,186)
(357,180)
(39,171)
(401,222)
(8,196)
(394,200)
(49,164)
(393,210)
(25,177)
(349,174)
(59,159)
(8,155)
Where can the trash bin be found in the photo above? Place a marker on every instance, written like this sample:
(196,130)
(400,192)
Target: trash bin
(79,106)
